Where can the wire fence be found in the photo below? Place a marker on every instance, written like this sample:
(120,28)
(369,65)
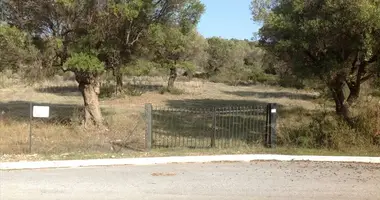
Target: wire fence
(210,127)
(63,132)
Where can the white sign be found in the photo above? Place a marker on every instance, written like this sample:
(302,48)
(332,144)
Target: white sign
(273,111)
(41,111)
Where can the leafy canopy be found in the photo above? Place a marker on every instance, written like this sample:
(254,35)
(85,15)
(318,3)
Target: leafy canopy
(321,37)
(82,62)
(176,43)
(15,48)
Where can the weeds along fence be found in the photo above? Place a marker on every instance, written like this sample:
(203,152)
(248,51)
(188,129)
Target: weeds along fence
(24,130)
(62,131)
(210,127)
(20,130)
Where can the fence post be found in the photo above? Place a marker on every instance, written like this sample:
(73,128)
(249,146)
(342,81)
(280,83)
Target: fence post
(148,133)
(30,126)
(272,124)
(213,128)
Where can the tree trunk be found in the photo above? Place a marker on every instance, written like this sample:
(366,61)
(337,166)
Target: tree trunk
(89,86)
(119,80)
(354,94)
(354,86)
(172,78)
(342,108)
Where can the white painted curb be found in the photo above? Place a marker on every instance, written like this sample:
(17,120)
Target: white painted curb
(187,159)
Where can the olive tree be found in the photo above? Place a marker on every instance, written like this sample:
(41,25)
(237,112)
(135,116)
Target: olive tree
(176,44)
(174,50)
(333,40)
(16,48)
(90,36)
(68,34)
(128,22)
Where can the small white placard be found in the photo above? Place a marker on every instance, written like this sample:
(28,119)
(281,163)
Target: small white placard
(41,111)
(273,111)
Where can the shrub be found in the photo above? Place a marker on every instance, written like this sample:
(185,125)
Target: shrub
(266,79)
(367,122)
(174,91)
(326,130)
(289,81)
(107,90)
(244,78)
(8,78)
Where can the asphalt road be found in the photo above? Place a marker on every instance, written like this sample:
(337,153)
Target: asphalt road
(240,181)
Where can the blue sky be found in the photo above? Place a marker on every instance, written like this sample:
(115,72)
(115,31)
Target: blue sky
(227,19)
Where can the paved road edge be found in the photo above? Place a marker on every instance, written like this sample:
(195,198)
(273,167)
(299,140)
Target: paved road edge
(185,159)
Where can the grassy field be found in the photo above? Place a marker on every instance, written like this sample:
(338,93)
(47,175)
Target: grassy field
(61,134)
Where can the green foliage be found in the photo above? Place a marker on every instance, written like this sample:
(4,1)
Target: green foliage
(320,38)
(15,48)
(173,91)
(335,41)
(290,81)
(176,44)
(172,48)
(219,54)
(168,43)
(237,62)
(129,11)
(326,131)
(139,67)
(261,9)
(190,15)
(83,62)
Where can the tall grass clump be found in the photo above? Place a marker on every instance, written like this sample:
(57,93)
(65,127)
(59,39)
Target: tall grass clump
(324,130)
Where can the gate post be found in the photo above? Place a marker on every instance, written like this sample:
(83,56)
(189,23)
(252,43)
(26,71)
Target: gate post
(213,136)
(30,126)
(272,125)
(148,133)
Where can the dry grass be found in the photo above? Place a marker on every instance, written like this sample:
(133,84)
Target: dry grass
(188,152)
(124,116)
(126,130)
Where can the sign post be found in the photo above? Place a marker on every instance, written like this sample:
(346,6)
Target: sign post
(36,112)
(30,126)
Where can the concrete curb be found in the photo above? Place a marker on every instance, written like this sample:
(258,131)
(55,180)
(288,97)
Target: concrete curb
(186,159)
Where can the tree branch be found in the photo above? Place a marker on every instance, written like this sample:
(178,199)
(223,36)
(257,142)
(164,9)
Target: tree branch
(365,78)
(129,31)
(64,70)
(158,2)
(354,63)
(67,32)
(372,60)
(350,84)
(310,55)
(136,39)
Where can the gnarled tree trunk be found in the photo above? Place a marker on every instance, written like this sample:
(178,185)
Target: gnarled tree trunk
(342,107)
(172,78)
(119,81)
(89,86)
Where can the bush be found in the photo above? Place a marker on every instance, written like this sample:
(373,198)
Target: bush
(367,121)
(266,79)
(244,78)
(174,91)
(8,78)
(108,90)
(326,130)
(289,81)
